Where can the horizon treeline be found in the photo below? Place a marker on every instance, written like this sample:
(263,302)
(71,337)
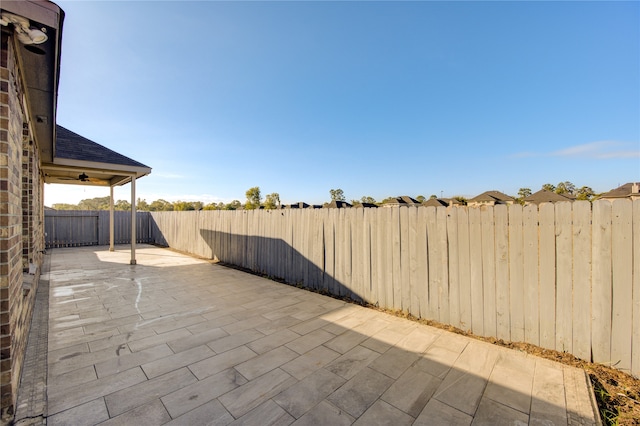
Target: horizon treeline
(272,201)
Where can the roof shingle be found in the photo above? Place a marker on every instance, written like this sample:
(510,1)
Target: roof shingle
(72,146)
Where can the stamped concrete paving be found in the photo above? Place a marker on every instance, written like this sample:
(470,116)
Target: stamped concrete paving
(180,341)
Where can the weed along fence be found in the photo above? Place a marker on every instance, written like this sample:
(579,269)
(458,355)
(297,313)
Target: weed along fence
(561,276)
(71,228)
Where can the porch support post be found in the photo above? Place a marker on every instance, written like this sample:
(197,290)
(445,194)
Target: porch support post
(133,220)
(111,223)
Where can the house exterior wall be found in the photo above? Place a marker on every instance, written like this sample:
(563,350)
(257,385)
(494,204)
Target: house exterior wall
(21,234)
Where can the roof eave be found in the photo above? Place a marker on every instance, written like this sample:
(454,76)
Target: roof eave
(139,171)
(40,71)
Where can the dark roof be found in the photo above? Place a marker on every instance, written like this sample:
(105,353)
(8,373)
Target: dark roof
(403,200)
(435,202)
(544,196)
(621,192)
(298,205)
(368,205)
(338,204)
(491,196)
(72,146)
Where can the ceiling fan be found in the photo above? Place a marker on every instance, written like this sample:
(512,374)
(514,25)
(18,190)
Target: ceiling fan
(83,177)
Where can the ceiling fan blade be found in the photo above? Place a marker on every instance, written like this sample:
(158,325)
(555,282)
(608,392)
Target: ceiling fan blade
(96,180)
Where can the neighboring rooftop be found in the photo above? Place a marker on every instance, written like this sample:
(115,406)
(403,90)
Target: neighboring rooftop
(545,196)
(492,197)
(403,200)
(630,190)
(298,205)
(338,205)
(435,202)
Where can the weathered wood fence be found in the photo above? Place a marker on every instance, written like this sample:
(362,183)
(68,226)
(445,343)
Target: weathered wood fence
(563,276)
(71,228)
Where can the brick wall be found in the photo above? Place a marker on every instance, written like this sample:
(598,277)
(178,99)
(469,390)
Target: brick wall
(20,209)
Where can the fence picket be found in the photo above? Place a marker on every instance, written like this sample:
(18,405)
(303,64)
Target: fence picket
(531,287)
(414,259)
(395,259)
(488,271)
(464,267)
(582,279)
(387,256)
(516,273)
(503,316)
(547,275)
(423,264)
(622,267)
(443,289)
(434,263)
(475,261)
(564,266)
(356,220)
(635,337)
(373,256)
(405,259)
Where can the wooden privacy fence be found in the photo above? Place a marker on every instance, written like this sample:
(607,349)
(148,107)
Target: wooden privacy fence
(562,276)
(73,228)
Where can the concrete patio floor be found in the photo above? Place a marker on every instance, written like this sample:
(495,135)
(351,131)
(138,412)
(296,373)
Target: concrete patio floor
(181,341)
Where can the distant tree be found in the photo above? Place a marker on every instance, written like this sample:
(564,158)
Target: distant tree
(160,205)
(337,194)
(388,199)
(524,192)
(97,203)
(367,199)
(433,197)
(565,187)
(549,187)
(181,206)
(272,201)
(253,198)
(64,206)
(461,199)
(210,206)
(142,205)
(585,193)
(122,205)
(421,198)
(234,205)
(355,203)
(187,205)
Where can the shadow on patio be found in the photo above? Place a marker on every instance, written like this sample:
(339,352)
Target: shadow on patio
(179,340)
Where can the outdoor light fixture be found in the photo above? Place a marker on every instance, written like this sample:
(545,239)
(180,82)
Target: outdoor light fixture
(83,177)
(25,33)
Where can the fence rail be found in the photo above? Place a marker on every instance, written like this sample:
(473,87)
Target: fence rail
(72,228)
(563,276)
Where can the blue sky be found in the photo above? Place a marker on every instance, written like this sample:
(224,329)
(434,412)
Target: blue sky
(376,98)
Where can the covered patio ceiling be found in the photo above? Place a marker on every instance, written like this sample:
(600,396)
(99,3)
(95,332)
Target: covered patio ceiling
(80,161)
